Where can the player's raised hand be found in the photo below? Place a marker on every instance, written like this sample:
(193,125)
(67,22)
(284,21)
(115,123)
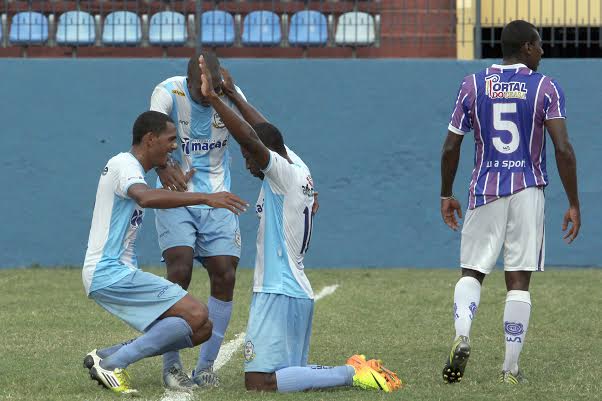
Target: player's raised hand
(227,200)
(227,81)
(206,80)
(573,215)
(449,208)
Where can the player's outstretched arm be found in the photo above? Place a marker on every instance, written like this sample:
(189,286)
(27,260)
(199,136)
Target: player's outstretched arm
(237,126)
(450,157)
(162,199)
(250,113)
(567,169)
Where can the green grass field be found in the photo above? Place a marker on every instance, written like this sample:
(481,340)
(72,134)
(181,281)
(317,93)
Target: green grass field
(401,316)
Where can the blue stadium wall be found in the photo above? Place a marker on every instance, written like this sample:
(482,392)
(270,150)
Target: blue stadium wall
(370,130)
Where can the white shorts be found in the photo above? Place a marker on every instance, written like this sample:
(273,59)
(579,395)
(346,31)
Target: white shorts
(516,222)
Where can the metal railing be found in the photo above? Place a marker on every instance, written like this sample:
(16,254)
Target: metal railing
(568,28)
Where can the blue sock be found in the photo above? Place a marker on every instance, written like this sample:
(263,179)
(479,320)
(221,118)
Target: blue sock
(171,358)
(105,352)
(300,378)
(219,314)
(169,334)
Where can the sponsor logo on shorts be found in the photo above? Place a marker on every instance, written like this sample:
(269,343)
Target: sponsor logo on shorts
(513,331)
(249,351)
(105,170)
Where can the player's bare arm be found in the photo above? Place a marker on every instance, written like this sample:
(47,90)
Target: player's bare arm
(172,177)
(147,197)
(238,127)
(450,157)
(249,113)
(567,169)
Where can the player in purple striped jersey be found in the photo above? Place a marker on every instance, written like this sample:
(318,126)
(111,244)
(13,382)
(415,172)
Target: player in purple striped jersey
(508,106)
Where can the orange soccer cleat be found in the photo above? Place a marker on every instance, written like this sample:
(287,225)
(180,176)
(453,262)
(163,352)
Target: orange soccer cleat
(371,375)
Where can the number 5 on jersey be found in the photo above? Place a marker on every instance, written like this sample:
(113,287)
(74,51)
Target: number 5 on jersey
(499,124)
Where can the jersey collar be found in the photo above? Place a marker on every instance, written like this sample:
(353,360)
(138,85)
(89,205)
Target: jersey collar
(508,67)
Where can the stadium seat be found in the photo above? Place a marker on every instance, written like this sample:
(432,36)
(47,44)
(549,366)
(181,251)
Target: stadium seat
(355,29)
(76,28)
(261,28)
(122,28)
(28,28)
(167,28)
(308,28)
(217,28)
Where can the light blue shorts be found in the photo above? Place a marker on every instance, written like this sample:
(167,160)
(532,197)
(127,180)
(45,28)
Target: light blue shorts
(139,298)
(210,232)
(278,332)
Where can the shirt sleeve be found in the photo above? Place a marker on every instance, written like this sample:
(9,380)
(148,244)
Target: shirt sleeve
(161,100)
(240,92)
(279,172)
(126,175)
(461,121)
(554,103)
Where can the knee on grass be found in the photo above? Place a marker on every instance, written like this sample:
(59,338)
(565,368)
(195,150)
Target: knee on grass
(256,381)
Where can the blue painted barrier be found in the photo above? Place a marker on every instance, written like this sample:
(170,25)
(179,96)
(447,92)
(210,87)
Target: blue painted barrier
(370,130)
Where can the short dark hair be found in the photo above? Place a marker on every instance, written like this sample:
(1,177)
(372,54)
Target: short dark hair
(515,35)
(194,72)
(149,121)
(270,136)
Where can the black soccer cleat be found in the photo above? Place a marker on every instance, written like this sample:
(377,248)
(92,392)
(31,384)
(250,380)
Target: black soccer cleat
(91,359)
(453,371)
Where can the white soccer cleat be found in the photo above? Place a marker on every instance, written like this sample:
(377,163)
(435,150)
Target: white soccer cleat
(205,378)
(176,379)
(91,359)
(117,380)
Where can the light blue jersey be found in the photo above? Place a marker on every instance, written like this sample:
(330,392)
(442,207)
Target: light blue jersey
(202,136)
(111,253)
(284,209)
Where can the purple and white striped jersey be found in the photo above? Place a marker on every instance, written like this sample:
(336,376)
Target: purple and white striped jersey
(506,106)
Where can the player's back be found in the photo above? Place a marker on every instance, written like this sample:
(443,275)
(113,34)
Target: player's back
(507,106)
(285,211)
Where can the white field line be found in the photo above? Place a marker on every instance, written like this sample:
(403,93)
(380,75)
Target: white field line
(229,349)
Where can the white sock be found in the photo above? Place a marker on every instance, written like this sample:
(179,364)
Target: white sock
(516,322)
(466,301)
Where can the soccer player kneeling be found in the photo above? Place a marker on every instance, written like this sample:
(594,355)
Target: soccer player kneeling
(279,328)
